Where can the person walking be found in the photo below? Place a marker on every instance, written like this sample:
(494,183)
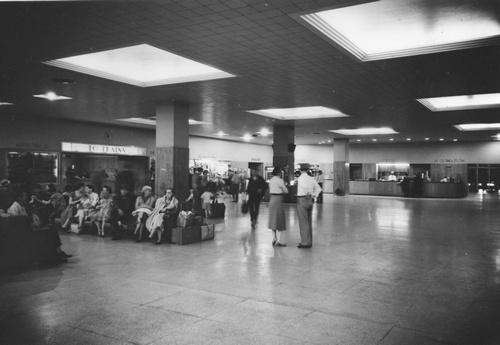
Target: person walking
(320,179)
(277,220)
(256,188)
(235,185)
(307,189)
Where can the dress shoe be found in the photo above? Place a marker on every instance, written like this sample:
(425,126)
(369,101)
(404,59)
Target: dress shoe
(279,244)
(303,246)
(64,255)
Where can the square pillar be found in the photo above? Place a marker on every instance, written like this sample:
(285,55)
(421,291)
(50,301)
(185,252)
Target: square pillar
(341,165)
(284,148)
(172,149)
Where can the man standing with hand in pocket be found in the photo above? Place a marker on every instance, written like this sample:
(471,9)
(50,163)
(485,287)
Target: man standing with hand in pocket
(307,189)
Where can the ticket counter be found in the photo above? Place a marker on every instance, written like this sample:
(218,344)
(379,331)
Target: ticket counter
(430,189)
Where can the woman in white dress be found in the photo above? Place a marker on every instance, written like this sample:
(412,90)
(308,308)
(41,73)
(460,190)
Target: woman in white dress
(143,208)
(277,221)
(165,206)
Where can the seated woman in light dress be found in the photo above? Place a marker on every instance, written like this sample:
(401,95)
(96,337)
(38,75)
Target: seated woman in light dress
(87,206)
(102,214)
(144,205)
(73,202)
(165,207)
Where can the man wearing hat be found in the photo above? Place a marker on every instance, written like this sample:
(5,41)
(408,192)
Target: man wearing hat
(6,197)
(307,189)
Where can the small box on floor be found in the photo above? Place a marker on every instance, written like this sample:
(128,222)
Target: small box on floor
(186,235)
(185,219)
(207,232)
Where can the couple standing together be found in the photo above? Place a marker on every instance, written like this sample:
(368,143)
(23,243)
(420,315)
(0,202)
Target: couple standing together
(307,189)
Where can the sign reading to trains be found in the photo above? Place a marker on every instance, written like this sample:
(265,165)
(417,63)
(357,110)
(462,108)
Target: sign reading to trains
(103,149)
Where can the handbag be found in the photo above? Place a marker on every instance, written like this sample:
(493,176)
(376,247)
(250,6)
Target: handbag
(244,204)
(217,210)
(74,229)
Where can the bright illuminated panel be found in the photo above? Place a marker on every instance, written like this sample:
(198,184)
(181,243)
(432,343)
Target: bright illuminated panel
(490,100)
(140,65)
(152,121)
(478,127)
(393,28)
(365,131)
(196,122)
(299,113)
(401,165)
(52,96)
(103,149)
(141,120)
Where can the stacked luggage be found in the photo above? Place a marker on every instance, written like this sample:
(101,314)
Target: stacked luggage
(192,228)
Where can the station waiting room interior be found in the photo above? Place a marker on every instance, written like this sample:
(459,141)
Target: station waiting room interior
(371,76)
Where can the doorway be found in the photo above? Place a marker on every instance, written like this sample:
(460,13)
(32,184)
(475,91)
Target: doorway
(257,166)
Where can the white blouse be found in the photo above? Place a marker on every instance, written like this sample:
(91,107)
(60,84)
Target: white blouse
(277,186)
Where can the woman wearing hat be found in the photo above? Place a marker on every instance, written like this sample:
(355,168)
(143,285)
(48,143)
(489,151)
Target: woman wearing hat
(144,203)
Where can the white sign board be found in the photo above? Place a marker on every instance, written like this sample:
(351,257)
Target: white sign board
(103,149)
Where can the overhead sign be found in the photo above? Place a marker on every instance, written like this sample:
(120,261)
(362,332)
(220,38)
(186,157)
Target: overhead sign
(104,149)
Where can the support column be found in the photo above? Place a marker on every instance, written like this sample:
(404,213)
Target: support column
(172,149)
(283,149)
(341,165)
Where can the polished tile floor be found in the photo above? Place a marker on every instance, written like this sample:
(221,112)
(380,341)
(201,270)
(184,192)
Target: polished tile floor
(382,271)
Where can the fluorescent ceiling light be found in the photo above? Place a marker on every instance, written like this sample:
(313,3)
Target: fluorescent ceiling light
(264,132)
(490,100)
(141,65)
(393,164)
(247,137)
(152,121)
(301,113)
(364,131)
(394,28)
(51,96)
(478,127)
(144,121)
(6,103)
(196,122)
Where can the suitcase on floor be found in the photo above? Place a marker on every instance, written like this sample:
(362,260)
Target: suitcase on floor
(186,235)
(207,232)
(217,209)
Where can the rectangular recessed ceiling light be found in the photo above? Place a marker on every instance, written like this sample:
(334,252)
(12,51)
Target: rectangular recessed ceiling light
(489,100)
(152,121)
(141,65)
(478,127)
(365,131)
(6,103)
(302,113)
(387,29)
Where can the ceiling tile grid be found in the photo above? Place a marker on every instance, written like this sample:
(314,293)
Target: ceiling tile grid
(278,63)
